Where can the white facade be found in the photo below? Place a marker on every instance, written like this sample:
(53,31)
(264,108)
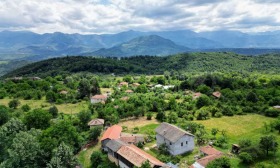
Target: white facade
(181,146)
(122,165)
(93,100)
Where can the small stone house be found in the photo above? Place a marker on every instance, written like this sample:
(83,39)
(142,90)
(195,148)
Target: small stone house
(96,122)
(98,98)
(177,140)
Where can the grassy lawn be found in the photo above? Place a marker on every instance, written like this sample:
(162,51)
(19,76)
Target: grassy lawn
(84,156)
(238,127)
(67,108)
(245,126)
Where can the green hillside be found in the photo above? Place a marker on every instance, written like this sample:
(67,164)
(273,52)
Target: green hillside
(193,62)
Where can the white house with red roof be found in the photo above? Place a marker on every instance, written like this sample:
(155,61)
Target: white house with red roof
(98,98)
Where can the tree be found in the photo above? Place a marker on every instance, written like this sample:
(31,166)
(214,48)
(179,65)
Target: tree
(172,118)
(94,133)
(63,157)
(84,117)
(202,114)
(96,159)
(14,103)
(277,125)
(146,164)
(244,143)
(51,97)
(25,150)
(252,97)
(25,108)
(203,101)
(38,118)
(268,143)
(8,132)
(62,131)
(4,115)
(84,88)
(214,131)
(222,162)
(246,157)
(53,111)
(95,88)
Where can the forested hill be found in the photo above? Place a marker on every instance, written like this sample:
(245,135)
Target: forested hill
(192,62)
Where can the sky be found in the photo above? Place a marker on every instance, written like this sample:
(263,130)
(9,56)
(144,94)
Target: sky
(112,16)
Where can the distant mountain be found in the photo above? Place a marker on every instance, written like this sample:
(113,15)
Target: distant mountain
(236,39)
(145,45)
(29,45)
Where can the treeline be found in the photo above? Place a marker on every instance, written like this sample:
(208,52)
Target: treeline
(188,62)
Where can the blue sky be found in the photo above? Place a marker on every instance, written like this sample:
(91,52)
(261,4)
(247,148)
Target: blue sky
(111,16)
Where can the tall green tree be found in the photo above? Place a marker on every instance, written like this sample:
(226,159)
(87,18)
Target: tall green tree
(84,88)
(38,118)
(25,151)
(63,157)
(268,143)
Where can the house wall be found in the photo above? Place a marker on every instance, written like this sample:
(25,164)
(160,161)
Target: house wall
(96,100)
(176,148)
(122,165)
(113,159)
(197,165)
(103,144)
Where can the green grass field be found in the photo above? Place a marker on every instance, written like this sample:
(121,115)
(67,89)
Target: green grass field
(66,108)
(245,126)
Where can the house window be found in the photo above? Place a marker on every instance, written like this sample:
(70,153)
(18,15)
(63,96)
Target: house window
(182,144)
(186,142)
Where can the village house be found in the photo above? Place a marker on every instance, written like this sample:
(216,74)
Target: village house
(217,94)
(121,84)
(135,84)
(132,138)
(277,107)
(96,122)
(177,140)
(128,156)
(63,92)
(111,133)
(129,91)
(196,95)
(209,154)
(98,98)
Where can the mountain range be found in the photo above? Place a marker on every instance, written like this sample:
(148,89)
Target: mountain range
(32,46)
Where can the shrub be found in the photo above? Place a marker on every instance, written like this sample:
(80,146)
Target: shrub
(14,103)
(25,108)
(246,157)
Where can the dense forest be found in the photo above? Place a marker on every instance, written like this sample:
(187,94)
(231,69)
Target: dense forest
(192,62)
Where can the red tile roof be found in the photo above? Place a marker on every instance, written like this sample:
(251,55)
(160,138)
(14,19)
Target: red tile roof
(196,95)
(209,150)
(99,97)
(205,160)
(123,83)
(113,132)
(96,121)
(137,156)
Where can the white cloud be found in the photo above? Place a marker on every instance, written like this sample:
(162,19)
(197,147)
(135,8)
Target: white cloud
(110,16)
